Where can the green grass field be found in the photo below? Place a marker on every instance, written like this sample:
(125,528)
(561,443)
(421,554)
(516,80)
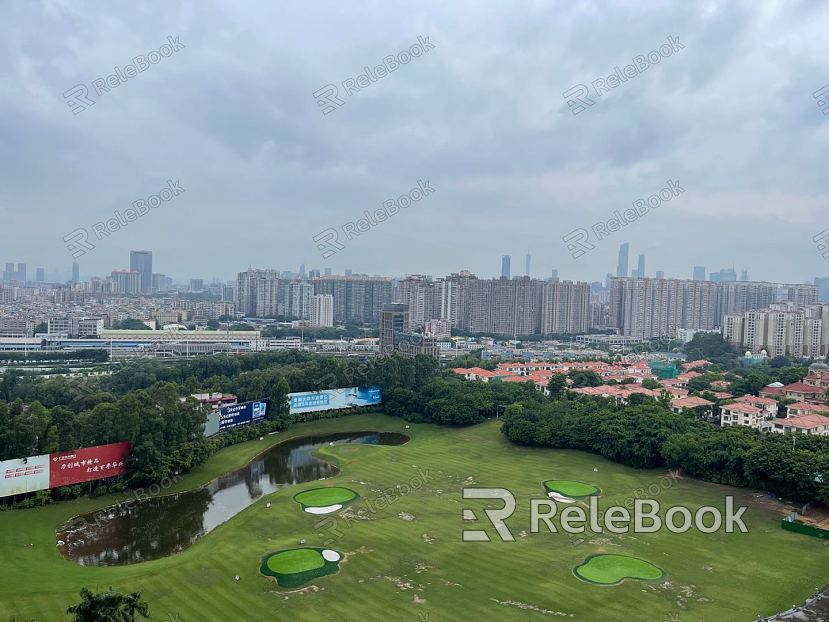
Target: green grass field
(613,569)
(405,560)
(570,488)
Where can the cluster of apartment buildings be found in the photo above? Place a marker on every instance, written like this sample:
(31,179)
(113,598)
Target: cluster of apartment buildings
(504,306)
(648,308)
(785,328)
(322,299)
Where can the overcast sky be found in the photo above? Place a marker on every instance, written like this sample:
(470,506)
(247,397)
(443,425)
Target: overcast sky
(481,116)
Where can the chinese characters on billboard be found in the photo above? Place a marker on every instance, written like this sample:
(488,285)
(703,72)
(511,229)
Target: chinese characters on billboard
(63,468)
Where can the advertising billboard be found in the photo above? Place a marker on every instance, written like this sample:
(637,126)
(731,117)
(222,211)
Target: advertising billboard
(87,464)
(63,468)
(24,475)
(241,414)
(334,399)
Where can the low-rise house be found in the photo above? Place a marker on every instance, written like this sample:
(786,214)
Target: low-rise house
(803,424)
(805,408)
(766,404)
(743,414)
(698,404)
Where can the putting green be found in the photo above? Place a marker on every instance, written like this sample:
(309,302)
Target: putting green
(295,567)
(570,488)
(325,500)
(613,569)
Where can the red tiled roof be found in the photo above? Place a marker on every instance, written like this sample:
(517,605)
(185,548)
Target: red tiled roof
(803,422)
(751,399)
(802,387)
(690,402)
(818,408)
(740,407)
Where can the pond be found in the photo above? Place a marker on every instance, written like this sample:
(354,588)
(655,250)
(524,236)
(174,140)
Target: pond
(160,526)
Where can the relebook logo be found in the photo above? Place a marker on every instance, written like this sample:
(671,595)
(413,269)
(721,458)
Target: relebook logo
(646,517)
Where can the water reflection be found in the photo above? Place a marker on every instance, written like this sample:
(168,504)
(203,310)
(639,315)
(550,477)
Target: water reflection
(162,526)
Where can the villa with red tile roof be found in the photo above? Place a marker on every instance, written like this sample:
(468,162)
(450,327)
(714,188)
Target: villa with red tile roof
(720,385)
(619,392)
(681,403)
(743,414)
(804,408)
(766,404)
(695,364)
(805,392)
(803,424)
(475,373)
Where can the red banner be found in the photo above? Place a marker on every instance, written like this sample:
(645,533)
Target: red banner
(87,464)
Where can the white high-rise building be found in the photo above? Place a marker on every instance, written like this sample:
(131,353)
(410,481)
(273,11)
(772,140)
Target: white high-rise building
(322,310)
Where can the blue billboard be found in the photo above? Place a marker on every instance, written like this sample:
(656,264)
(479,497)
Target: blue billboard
(241,414)
(334,399)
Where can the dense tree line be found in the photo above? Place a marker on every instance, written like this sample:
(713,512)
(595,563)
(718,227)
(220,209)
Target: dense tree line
(648,435)
(142,403)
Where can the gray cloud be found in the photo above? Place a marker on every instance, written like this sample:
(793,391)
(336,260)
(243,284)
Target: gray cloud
(481,116)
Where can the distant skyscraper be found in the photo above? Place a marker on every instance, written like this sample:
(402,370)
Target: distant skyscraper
(744,275)
(660,274)
(622,266)
(554,275)
(505,266)
(328,272)
(699,273)
(196,285)
(41,275)
(527,265)
(76,272)
(822,284)
(8,273)
(302,269)
(348,272)
(142,262)
(640,271)
(21,272)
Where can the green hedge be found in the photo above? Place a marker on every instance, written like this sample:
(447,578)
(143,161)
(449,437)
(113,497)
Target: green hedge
(803,528)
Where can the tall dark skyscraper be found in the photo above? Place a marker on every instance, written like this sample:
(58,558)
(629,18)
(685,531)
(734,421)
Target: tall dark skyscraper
(527,264)
(76,272)
(21,273)
(8,273)
(142,262)
(744,275)
(699,273)
(41,275)
(554,275)
(505,266)
(660,274)
(640,270)
(622,266)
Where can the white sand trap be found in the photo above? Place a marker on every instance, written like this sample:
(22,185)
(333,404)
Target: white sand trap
(560,498)
(330,556)
(325,509)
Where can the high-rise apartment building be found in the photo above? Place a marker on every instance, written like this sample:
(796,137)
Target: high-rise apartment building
(76,272)
(394,322)
(699,273)
(40,275)
(142,262)
(640,269)
(322,310)
(565,308)
(21,273)
(126,281)
(300,294)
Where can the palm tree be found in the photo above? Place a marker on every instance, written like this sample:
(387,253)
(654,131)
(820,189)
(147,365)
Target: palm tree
(108,606)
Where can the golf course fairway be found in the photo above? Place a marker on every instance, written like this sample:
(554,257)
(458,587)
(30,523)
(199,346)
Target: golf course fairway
(403,554)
